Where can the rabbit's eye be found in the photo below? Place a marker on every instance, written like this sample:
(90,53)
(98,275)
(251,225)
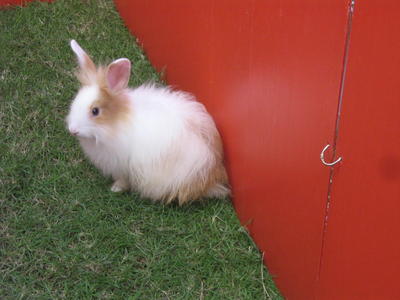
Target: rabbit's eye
(95,111)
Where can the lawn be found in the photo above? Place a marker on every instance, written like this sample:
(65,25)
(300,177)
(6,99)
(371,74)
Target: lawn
(63,234)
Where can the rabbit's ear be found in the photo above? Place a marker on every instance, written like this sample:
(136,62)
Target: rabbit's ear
(84,60)
(118,73)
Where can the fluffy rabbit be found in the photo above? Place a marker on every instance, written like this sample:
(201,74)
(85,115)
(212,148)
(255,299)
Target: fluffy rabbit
(159,142)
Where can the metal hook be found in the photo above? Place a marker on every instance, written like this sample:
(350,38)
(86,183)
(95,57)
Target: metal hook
(323,159)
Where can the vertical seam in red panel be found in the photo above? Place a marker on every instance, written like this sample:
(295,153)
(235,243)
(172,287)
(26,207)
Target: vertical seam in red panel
(211,86)
(337,126)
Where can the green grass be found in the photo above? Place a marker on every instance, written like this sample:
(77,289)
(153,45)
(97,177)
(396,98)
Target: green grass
(63,234)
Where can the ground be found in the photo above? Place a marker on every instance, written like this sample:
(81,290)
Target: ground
(63,233)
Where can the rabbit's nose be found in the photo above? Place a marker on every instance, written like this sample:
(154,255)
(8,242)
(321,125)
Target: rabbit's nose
(73,131)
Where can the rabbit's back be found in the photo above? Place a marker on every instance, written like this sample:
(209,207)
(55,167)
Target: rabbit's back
(175,143)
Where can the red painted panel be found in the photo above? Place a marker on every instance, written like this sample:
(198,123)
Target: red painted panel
(269,72)
(362,254)
(18,2)
(10,2)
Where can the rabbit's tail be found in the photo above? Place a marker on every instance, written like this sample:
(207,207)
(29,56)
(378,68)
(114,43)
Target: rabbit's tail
(218,191)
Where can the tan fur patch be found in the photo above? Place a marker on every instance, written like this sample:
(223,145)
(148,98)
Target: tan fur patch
(217,174)
(199,188)
(87,73)
(113,106)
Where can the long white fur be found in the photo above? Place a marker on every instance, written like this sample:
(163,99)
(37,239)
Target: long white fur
(157,149)
(165,144)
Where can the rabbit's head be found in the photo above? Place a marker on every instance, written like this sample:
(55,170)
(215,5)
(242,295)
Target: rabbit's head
(102,102)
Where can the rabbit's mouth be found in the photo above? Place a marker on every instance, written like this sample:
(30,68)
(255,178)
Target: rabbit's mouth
(79,130)
(81,134)
(73,132)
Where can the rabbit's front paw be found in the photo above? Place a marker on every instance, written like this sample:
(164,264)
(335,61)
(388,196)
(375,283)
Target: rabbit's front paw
(119,186)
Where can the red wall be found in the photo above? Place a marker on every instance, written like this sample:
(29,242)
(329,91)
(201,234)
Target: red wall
(273,73)
(18,2)
(362,247)
(269,73)
(11,2)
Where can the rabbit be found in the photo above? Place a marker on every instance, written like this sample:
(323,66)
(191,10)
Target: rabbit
(152,139)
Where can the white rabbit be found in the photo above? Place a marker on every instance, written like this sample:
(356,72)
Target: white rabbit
(159,142)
